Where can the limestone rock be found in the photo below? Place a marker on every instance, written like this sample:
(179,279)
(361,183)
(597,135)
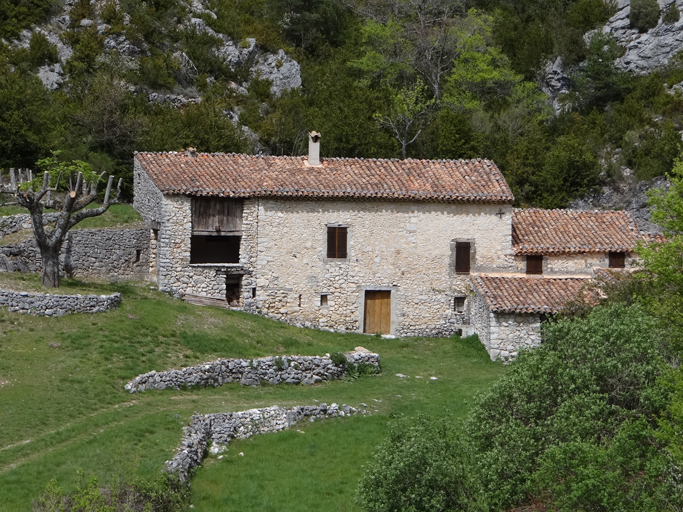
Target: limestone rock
(51,76)
(555,83)
(283,72)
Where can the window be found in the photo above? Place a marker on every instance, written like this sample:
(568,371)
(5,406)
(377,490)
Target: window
(617,260)
(462,257)
(323,299)
(336,242)
(215,249)
(253,292)
(459,304)
(534,264)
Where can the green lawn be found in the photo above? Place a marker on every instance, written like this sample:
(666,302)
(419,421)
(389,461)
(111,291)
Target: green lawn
(65,408)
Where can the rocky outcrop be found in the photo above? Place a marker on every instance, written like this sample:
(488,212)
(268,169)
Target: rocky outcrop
(248,372)
(219,429)
(650,50)
(555,82)
(627,194)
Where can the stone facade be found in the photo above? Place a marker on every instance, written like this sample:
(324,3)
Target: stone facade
(115,254)
(403,247)
(40,304)
(221,428)
(573,264)
(248,372)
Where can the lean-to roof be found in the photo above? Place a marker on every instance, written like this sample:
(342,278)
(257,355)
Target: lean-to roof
(235,175)
(536,231)
(527,294)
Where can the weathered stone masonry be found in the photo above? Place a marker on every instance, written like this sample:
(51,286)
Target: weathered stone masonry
(40,304)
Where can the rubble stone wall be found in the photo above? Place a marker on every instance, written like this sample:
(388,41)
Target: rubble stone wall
(221,428)
(248,372)
(581,264)
(114,254)
(39,304)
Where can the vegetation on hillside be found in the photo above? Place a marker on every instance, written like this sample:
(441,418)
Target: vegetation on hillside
(426,79)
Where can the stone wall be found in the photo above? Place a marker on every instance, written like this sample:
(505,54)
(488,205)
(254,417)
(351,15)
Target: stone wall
(293,370)
(39,304)
(114,254)
(573,264)
(504,334)
(13,223)
(221,428)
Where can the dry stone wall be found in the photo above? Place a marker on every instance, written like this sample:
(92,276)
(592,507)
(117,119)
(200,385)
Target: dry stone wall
(114,254)
(248,372)
(39,304)
(221,428)
(13,223)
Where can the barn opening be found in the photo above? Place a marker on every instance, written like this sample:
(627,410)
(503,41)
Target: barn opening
(233,289)
(216,230)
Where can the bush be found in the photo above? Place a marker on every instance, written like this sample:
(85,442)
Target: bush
(588,378)
(422,466)
(41,51)
(672,14)
(339,359)
(644,14)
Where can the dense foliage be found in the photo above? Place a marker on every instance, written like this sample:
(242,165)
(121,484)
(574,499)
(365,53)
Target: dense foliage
(425,79)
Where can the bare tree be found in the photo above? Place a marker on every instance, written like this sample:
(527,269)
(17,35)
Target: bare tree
(70,199)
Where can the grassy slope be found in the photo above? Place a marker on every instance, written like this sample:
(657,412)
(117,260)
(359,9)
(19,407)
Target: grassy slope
(116,215)
(65,408)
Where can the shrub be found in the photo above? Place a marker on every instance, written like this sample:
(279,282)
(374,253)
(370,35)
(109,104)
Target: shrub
(41,51)
(422,466)
(339,359)
(588,377)
(644,14)
(279,364)
(672,14)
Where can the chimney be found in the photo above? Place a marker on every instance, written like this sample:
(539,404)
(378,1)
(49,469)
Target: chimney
(314,149)
(192,152)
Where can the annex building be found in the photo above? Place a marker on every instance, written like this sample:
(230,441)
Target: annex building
(400,247)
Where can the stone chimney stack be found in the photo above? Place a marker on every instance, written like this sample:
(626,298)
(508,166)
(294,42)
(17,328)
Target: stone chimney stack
(191,153)
(314,149)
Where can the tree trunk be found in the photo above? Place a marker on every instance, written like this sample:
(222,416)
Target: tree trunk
(50,258)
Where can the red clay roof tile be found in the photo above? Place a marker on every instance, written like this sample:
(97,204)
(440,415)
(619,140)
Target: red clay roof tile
(526,294)
(536,231)
(234,175)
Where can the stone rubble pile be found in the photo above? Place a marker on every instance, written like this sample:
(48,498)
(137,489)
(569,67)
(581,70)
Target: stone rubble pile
(221,428)
(39,304)
(248,372)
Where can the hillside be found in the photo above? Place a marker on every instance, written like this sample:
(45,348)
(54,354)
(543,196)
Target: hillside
(563,97)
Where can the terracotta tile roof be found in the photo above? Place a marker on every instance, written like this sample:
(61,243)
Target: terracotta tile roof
(233,175)
(526,294)
(536,231)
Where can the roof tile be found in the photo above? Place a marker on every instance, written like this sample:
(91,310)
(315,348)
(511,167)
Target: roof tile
(536,231)
(526,294)
(235,175)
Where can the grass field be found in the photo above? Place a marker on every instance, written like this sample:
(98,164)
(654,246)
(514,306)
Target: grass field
(65,408)
(116,215)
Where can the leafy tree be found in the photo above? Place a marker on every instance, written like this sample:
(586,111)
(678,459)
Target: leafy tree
(16,16)
(409,110)
(644,14)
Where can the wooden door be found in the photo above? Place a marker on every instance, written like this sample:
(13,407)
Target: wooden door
(377,312)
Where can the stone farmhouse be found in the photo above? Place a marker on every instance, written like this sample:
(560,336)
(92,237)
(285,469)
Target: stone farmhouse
(398,247)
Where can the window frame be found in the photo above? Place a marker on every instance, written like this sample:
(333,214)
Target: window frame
(456,301)
(618,256)
(538,258)
(460,244)
(336,255)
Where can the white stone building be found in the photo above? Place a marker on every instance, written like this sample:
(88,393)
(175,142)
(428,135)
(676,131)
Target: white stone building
(400,247)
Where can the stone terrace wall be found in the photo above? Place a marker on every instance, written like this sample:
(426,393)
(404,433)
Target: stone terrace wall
(88,253)
(39,304)
(221,428)
(295,370)
(13,223)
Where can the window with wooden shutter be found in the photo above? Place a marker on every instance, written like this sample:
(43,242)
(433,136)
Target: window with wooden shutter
(617,260)
(462,257)
(534,264)
(336,242)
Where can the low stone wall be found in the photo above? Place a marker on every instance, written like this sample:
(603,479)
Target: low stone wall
(88,253)
(221,428)
(13,223)
(288,370)
(40,304)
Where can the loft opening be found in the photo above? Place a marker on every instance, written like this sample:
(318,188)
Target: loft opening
(216,230)
(617,260)
(534,264)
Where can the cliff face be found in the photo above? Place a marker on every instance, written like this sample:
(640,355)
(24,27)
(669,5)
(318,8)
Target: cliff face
(278,67)
(649,50)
